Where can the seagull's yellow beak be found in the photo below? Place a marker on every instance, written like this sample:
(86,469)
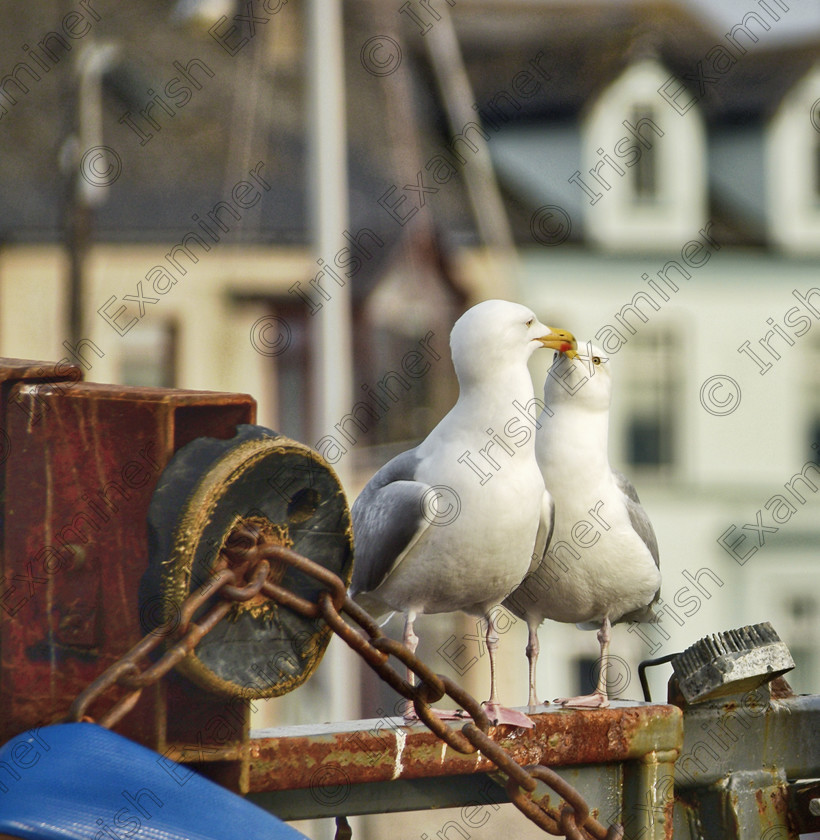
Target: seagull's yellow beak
(561,340)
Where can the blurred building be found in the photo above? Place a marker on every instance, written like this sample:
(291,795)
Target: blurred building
(659,187)
(671,179)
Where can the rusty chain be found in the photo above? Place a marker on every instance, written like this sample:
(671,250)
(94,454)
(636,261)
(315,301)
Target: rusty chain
(247,552)
(186,634)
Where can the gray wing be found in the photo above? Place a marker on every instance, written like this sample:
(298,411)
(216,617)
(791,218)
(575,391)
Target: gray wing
(637,515)
(546,525)
(387,517)
(643,527)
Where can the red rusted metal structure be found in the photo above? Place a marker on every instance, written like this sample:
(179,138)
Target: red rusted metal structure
(81,464)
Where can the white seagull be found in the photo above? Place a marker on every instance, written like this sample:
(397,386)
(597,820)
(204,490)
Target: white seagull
(454,524)
(602,563)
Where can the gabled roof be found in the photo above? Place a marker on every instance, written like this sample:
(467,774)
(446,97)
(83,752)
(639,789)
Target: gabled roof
(586,46)
(250,107)
(583,49)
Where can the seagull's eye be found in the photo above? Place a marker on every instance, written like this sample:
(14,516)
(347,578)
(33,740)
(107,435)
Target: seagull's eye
(596,360)
(530,322)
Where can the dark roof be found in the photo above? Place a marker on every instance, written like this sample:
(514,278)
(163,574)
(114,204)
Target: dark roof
(252,108)
(586,46)
(583,48)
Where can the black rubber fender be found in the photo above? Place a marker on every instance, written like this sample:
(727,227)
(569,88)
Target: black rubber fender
(261,649)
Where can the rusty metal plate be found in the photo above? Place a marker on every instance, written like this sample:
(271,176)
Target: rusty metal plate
(804,804)
(209,489)
(82,462)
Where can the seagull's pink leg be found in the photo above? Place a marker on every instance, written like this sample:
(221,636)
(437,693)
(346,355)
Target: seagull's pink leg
(599,699)
(411,642)
(532,656)
(495,711)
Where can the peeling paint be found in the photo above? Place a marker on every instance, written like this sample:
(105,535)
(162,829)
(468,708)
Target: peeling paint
(401,740)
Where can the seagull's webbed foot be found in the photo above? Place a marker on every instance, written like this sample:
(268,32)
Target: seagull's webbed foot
(499,715)
(597,700)
(533,703)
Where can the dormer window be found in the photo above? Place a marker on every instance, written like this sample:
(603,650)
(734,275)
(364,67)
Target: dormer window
(645,170)
(643,166)
(816,179)
(793,168)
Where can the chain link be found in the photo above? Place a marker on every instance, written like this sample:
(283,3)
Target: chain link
(247,551)
(126,672)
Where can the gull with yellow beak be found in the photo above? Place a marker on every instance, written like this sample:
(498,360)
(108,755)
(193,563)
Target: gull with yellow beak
(601,566)
(430,535)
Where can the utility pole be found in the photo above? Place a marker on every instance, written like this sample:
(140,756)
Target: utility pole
(331,359)
(83,130)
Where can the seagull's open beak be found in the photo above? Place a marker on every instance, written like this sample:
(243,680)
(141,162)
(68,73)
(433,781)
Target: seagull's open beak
(561,340)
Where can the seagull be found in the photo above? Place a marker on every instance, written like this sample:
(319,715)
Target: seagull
(601,564)
(454,523)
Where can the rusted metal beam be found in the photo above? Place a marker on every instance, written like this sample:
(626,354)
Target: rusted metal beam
(748,732)
(387,749)
(620,759)
(739,756)
(600,785)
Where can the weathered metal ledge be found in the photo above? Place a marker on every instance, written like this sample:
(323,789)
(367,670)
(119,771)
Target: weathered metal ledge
(387,749)
(620,759)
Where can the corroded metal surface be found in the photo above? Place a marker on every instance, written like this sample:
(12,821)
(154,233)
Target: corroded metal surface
(380,750)
(80,467)
(732,779)
(754,730)
(600,784)
(804,805)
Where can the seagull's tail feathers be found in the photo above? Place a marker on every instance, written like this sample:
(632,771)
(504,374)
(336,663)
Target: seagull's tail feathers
(588,625)
(374,606)
(645,615)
